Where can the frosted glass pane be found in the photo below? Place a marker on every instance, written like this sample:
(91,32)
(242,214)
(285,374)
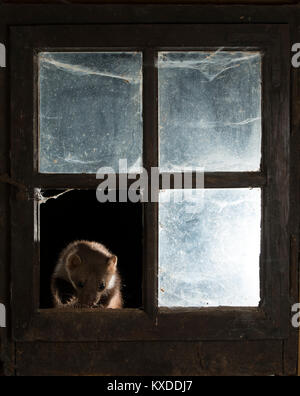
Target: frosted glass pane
(209,248)
(90,111)
(210,110)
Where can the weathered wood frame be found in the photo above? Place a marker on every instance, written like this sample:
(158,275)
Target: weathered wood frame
(271,320)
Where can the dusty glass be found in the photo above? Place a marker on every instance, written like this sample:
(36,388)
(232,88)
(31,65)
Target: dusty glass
(90,111)
(210,110)
(209,248)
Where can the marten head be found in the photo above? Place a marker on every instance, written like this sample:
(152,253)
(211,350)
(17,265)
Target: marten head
(92,271)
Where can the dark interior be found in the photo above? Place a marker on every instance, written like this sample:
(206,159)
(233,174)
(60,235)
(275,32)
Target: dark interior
(78,215)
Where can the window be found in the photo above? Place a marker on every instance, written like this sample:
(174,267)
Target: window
(210,110)
(90,117)
(210,248)
(187,96)
(210,118)
(80,96)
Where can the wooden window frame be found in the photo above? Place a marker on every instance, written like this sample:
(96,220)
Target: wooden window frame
(271,319)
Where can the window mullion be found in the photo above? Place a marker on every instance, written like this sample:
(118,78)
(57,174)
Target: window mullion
(151,160)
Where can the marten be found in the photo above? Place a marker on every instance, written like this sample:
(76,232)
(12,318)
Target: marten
(86,276)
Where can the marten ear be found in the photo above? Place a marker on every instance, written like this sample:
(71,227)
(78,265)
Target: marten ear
(112,263)
(73,262)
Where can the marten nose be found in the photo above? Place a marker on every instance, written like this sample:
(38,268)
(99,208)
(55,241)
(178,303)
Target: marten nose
(88,300)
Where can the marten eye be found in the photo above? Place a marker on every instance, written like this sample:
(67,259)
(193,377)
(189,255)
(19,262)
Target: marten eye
(101,286)
(80,285)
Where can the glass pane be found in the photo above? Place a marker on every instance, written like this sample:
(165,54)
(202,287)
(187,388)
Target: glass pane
(210,110)
(90,111)
(209,248)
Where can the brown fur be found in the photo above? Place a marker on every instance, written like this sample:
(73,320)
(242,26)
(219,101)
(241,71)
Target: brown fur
(83,267)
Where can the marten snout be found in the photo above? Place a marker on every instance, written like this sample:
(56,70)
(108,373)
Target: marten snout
(88,300)
(88,292)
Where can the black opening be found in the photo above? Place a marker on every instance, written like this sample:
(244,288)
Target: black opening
(78,215)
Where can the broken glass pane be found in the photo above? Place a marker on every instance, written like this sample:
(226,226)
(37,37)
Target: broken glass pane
(90,111)
(210,110)
(209,248)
